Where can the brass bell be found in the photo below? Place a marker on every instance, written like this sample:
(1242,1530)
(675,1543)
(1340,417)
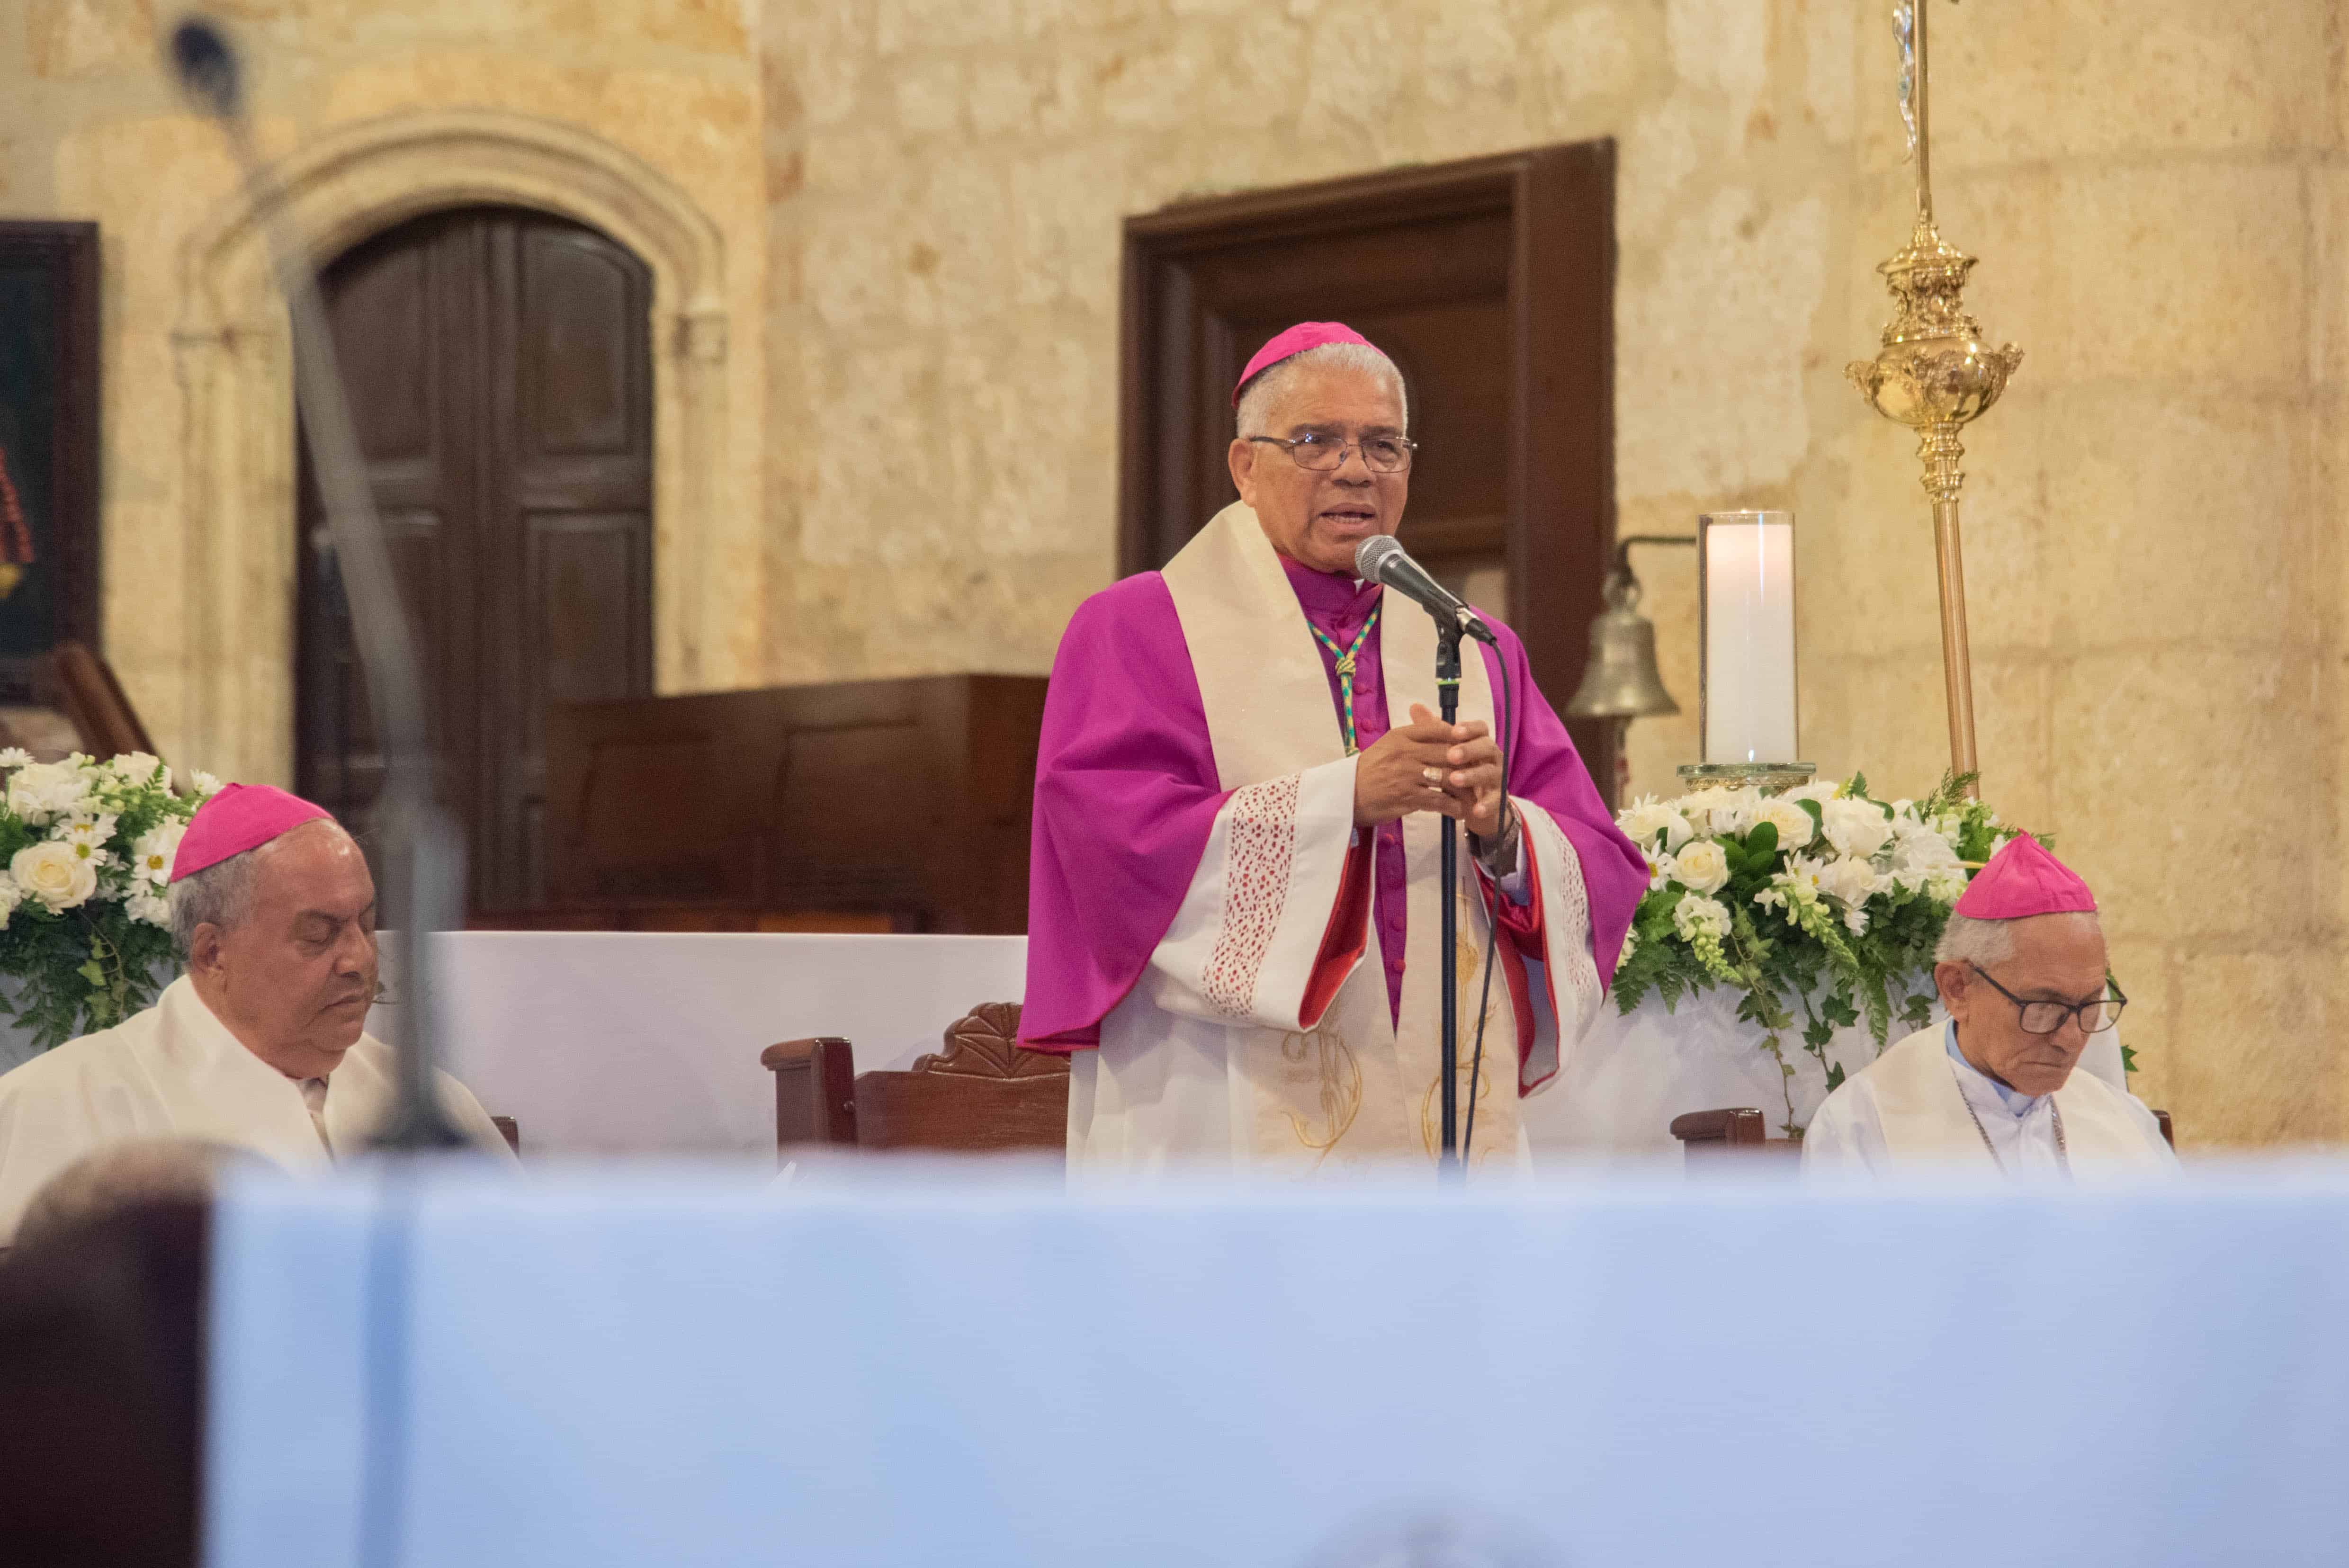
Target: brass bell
(1621,681)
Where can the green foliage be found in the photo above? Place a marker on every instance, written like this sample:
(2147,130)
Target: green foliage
(87,956)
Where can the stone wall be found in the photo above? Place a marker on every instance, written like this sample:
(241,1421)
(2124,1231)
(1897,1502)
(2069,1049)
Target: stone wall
(641,115)
(2154,190)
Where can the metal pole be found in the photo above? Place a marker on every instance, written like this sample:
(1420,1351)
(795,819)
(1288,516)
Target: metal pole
(1447,697)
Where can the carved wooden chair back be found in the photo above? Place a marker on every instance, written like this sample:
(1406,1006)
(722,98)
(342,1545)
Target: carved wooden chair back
(984,1093)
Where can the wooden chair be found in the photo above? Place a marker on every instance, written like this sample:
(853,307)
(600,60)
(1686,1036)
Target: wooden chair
(1707,1135)
(984,1093)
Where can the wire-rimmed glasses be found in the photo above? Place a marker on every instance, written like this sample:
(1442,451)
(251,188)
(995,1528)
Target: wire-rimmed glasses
(1324,454)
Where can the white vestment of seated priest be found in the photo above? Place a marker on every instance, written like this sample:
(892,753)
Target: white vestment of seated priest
(1922,1103)
(1257,1033)
(174,1070)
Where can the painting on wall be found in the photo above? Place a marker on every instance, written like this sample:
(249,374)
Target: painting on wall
(49,449)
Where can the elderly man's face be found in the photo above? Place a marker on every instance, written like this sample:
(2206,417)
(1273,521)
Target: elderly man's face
(1317,520)
(2057,958)
(295,978)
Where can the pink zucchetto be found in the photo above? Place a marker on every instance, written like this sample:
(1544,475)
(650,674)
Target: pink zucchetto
(2023,880)
(241,817)
(1305,335)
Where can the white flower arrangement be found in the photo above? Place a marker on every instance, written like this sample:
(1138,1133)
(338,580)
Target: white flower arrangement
(1822,898)
(84,927)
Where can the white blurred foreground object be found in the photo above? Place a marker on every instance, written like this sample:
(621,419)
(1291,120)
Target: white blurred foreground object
(686,1369)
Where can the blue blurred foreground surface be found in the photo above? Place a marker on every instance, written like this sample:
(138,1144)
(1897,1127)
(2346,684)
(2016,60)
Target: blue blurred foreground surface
(625,1366)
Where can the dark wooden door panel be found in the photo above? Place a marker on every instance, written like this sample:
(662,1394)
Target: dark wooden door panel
(500,375)
(1491,283)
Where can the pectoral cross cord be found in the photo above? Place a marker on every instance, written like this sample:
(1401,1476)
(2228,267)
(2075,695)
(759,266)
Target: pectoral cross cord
(1346,658)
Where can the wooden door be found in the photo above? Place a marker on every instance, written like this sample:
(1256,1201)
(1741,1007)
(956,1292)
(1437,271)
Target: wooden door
(499,371)
(1491,283)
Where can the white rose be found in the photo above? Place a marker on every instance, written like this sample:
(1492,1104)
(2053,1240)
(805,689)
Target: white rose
(1922,849)
(1643,819)
(45,790)
(56,873)
(1692,915)
(136,767)
(1819,789)
(10,895)
(1852,880)
(1854,827)
(1702,866)
(1796,829)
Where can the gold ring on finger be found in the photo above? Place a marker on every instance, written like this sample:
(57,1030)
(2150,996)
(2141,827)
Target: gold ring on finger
(1435,777)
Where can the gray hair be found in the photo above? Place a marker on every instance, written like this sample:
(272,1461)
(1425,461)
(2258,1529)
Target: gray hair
(1965,940)
(1264,388)
(220,894)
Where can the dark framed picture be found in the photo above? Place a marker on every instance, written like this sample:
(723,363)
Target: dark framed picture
(49,448)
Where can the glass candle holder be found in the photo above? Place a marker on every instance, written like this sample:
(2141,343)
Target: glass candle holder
(1745,576)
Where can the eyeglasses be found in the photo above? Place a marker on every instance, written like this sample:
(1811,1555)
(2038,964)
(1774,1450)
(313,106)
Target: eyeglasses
(2047,1018)
(1324,454)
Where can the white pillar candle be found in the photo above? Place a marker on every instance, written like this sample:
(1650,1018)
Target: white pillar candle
(1748,619)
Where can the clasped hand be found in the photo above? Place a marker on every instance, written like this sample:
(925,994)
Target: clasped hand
(1392,778)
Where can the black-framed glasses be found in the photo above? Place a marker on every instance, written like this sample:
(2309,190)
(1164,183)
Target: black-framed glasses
(2047,1018)
(1322,454)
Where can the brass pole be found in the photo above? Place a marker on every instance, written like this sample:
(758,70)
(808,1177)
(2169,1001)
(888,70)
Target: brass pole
(1939,447)
(1934,373)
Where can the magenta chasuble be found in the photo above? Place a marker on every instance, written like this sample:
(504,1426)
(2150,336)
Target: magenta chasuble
(1256,979)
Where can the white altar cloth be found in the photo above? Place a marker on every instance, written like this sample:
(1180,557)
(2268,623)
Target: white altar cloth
(628,1367)
(645,1042)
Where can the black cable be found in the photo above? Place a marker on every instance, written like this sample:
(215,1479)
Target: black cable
(1492,919)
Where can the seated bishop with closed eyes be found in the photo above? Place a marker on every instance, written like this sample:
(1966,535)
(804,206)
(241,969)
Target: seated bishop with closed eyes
(2022,972)
(261,1045)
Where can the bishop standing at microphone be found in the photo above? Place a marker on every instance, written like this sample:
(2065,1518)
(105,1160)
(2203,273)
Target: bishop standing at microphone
(1234,896)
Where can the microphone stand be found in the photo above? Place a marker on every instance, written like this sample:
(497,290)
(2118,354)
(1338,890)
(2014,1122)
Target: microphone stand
(1447,697)
(421,853)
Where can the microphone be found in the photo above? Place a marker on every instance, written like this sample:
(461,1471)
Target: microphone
(1382,559)
(422,853)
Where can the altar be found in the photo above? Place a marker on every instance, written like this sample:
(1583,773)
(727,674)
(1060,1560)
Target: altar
(648,1043)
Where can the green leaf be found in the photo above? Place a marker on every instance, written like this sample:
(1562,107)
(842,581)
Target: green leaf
(1835,1076)
(1761,845)
(2128,1059)
(92,972)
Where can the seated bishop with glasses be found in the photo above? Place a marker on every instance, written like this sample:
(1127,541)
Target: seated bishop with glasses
(2022,972)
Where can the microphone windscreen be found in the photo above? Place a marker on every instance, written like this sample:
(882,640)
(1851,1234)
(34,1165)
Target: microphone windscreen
(1373,553)
(206,67)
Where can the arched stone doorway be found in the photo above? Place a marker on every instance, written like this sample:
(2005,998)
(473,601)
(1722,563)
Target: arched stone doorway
(237,449)
(497,364)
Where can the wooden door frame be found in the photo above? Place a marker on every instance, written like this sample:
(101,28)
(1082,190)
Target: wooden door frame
(1560,202)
